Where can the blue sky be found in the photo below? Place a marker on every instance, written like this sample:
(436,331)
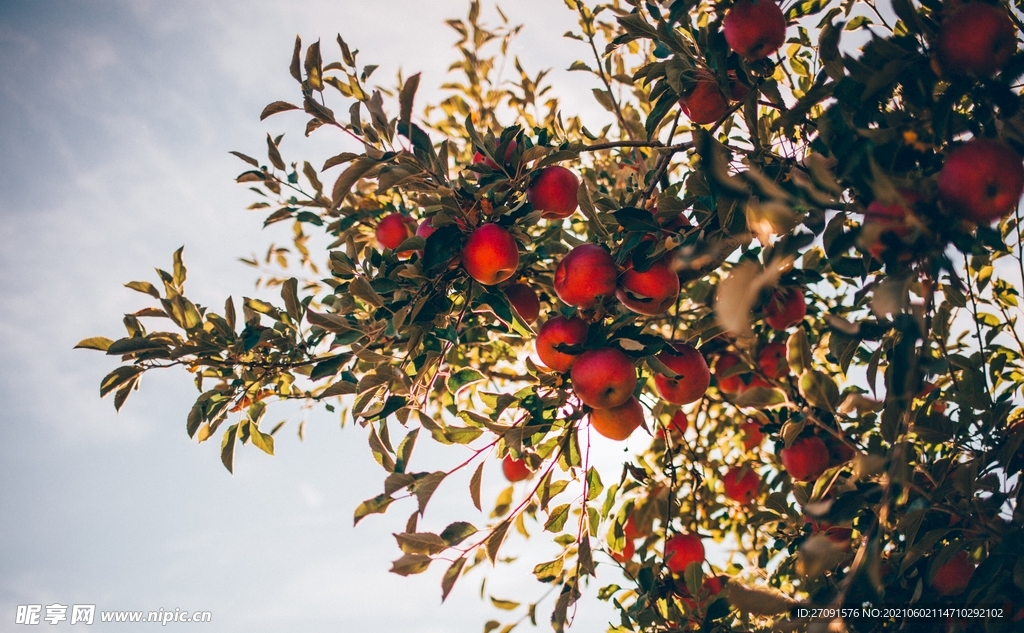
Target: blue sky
(116,118)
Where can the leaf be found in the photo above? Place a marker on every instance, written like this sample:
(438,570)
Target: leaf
(274,154)
(819,390)
(348,179)
(405,98)
(328,367)
(420,543)
(586,556)
(294,68)
(798,351)
(594,485)
(100,343)
(441,247)
(144,287)
(457,532)
(261,440)
(377,505)
(270,110)
(425,487)
(504,605)
(557,517)
(549,571)
(757,600)
(496,538)
(461,379)
(340,159)
(118,377)
(410,564)
(249,159)
(380,453)
(227,448)
(474,486)
(450,576)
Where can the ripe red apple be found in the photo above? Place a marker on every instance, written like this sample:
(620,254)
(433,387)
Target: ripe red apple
(631,531)
(772,361)
(490,255)
(881,218)
(977,38)
(394,229)
(806,459)
(585,275)
(651,292)
(572,331)
(683,549)
(425,228)
(618,423)
(752,435)
(694,378)
(954,575)
(755,28)
(982,180)
(786,308)
(728,384)
(604,378)
(524,300)
(553,192)
(705,103)
(515,469)
(741,483)
(480,158)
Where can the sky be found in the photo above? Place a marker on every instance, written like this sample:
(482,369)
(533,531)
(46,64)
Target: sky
(116,119)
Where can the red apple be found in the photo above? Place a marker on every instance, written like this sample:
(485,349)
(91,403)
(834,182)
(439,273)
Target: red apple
(490,255)
(786,308)
(651,292)
(982,180)
(394,229)
(728,384)
(425,228)
(741,483)
(839,452)
(572,331)
(553,192)
(737,89)
(524,300)
(585,275)
(705,103)
(954,575)
(755,381)
(755,28)
(478,157)
(772,361)
(618,423)
(977,38)
(631,531)
(603,378)
(515,469)
(683,549)
(881,218)
(694,376)
(752,435)
(806,459)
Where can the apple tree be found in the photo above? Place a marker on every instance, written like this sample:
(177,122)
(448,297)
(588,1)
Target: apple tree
(791,267)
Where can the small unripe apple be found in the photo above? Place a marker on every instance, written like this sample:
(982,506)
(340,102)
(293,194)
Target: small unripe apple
(786,308)
(394,229)
(515,469)
(954,575)
(772,361)
(755,28)
(651,292)
(585,275)
(604,378)
(478,157)
(525,301)
(683,549)
(490,254)
(806,459)
(553,192)
(741,484)
(618,423)
(982,180)
(705,103)
(560,330)
(977,38)
(694,376)
(728,384)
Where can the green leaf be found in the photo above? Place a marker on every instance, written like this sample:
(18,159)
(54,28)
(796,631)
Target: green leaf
(227,448)
(594,485)
(420,543)
(464,377)
(100,343)
(504,605)
(410,564)
(261,440)
(441,247)
(474,486)
(497,537)
(450,576)
(118,378)
(557,517)
(549,571)
(134,344)
(144,287)
(328,367)
(377,505)
(457,532)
